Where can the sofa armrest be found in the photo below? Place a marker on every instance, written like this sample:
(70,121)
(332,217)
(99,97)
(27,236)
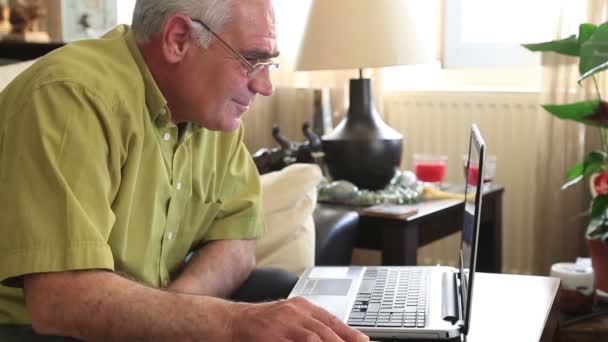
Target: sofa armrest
(336,231)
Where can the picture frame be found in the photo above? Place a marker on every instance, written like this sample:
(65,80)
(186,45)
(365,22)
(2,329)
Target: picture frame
(83,19)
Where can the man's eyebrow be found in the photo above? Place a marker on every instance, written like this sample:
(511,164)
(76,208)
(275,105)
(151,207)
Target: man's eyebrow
(260,54)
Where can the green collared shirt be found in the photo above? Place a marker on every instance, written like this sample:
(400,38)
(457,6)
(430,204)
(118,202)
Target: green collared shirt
(93,173)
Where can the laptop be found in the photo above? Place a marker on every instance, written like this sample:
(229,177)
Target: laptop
(407,302)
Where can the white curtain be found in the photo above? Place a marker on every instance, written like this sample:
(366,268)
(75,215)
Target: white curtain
(559,227)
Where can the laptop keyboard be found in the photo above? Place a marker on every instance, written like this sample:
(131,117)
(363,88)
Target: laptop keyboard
(391,297)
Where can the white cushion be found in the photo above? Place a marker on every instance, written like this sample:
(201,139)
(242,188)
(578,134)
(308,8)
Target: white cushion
(289,198)
(10,71)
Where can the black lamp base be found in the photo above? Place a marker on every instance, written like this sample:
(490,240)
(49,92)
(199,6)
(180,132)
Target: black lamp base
(363,149)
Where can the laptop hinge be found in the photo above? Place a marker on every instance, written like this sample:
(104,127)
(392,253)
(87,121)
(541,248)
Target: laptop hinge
(451,310)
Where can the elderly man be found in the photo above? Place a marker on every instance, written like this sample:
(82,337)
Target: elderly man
(129,205)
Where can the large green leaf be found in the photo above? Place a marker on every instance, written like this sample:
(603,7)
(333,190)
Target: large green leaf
(598,229)
(574,175)
(594,162)
(593,71)
(599,205)
(576,171)
(585,31)
(594,53)
(567,46)
(587,112)
(572,182)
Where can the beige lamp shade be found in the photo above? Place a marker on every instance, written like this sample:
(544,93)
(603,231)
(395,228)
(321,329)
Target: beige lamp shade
(356,34)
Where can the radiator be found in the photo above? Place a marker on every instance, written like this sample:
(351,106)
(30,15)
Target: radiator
(439,123)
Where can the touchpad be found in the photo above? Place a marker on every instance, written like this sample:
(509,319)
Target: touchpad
(327,287)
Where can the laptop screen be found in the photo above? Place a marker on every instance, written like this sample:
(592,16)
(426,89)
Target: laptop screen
(473,172)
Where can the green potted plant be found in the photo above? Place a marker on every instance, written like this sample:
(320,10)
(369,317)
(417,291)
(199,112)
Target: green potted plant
(591,48)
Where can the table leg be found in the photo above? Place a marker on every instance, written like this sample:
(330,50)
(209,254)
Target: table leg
(489,256)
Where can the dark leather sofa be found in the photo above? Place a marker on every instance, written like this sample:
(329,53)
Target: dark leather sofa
(336,231)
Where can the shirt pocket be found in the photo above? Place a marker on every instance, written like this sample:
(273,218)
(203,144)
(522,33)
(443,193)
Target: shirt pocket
(198,218)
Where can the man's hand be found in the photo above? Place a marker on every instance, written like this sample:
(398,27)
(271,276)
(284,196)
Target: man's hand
(294,319)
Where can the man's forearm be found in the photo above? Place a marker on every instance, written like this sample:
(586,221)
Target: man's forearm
(217,269)
(102,306)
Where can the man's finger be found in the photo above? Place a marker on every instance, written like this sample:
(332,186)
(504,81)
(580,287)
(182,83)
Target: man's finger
(324,331)
(305,335)
(340,328)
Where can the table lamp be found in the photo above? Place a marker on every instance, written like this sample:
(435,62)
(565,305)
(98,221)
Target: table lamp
(358,34)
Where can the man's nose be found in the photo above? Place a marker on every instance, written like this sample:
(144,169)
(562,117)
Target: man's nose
(262,83)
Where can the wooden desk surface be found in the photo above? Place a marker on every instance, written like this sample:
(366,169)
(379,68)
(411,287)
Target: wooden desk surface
(514,308)
(510,307)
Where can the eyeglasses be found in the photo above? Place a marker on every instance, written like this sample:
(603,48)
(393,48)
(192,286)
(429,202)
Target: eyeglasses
(252,69)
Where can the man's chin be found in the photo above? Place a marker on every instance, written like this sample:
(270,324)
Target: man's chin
(227,126)
(229,121)
(234,125)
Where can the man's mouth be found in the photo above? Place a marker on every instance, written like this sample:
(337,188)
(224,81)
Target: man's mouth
(243,104)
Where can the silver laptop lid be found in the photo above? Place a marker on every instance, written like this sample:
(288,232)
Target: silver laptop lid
(473,173)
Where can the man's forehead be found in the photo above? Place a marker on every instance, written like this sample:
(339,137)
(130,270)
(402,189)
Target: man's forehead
(253,11)
(254,22)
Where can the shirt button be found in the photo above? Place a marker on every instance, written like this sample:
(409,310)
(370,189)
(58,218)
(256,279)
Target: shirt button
(163,111)
(167,137)
(178,186)
(170,236)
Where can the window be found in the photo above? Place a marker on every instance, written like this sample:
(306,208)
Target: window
(482,45)
(490,32)
(124,11)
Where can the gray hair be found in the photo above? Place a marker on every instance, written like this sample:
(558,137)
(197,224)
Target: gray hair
(149,16)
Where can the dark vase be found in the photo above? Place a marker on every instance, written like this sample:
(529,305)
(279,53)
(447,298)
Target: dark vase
(363,149)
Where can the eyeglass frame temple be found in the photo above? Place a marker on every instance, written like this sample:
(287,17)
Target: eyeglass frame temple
(234,52)
(252,67)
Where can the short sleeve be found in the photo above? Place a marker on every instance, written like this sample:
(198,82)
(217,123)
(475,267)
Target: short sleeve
(55,176)
(240,215)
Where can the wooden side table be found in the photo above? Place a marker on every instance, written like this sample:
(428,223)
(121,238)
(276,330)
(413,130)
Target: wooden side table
(400,238)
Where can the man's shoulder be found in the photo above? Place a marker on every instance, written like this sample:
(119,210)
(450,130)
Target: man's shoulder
(103,67)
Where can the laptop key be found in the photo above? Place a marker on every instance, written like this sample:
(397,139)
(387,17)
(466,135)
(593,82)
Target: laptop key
(389,324)
(373,307)
(366,286)
(362,324)
(357,315)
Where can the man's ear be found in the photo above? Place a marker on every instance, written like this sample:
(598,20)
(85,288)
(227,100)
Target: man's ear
(176,38)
